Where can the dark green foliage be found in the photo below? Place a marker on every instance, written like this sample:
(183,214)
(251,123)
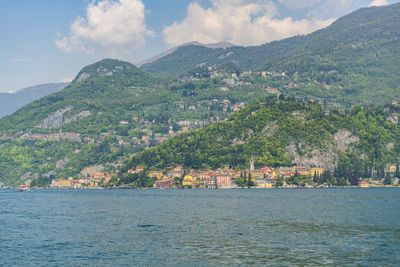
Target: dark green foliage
(268,127)
(240,181)
(41,181)
(388,179)
(137,180)
(397,174)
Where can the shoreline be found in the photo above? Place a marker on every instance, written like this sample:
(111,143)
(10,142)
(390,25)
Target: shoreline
(237,188)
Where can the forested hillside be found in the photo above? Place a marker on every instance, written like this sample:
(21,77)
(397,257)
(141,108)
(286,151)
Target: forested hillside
(110,111)
(353,61)
(285,133)
(114,110)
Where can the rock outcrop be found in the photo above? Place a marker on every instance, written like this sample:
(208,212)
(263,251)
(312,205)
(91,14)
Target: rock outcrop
(56,119)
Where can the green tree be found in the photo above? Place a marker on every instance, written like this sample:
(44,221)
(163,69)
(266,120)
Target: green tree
(279,181)
(240,182)
(388,179)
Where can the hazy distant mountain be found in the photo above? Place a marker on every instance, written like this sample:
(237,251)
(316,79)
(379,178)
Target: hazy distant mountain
(11,102)
(172,50)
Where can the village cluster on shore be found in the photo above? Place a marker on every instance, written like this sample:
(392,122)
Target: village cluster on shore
(178,177)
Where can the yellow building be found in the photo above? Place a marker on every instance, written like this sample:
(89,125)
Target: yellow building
(316,171)
(301,170)
(261,183)
(274,174)
(158,175)
(61,183)
(188,181)
(94,183)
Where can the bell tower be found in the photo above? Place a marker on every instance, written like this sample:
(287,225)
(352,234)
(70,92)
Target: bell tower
(252,163)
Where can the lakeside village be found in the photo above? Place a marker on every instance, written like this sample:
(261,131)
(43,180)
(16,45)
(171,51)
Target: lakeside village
(178,177)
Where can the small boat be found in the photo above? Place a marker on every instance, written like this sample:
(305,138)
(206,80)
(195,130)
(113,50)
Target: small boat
(24,189)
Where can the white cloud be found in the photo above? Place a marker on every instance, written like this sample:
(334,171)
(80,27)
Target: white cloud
(242,22)
(111,28)
(379,3)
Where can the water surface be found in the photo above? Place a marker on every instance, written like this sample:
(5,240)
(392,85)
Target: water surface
(338,227)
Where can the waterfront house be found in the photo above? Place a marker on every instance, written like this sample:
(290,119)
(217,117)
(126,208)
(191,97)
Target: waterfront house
(223,181)
(61,183)
(188,181)
(363,184)
(166,182)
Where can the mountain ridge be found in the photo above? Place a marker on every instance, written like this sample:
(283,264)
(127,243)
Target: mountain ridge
(11,102)
(353,60)
(270,49)
(223,45)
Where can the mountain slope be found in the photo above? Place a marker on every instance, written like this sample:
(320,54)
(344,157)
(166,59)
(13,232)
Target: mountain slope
(350,62)
(111,110)
(363,25)
(286,133)
(10,102)
(172,50)
(93,89)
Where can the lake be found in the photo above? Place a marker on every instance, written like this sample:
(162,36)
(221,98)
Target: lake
(314,227)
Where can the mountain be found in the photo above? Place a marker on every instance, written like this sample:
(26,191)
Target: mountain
(286,133)
(93,89)
(110,111)
(113,110)
(222,45)
(353,61)
(10,102)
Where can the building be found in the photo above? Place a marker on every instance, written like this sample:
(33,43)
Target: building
(137,170)
(301,170)
(7,135)
(391,168)
(76,184)
(61,183)
(209,182)
(223,181)
(363,184)
(188,181)
(316,172)
(263,183)
(166,182)
(158,175)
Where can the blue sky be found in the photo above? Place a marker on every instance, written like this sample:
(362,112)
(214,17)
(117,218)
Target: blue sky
(51,40)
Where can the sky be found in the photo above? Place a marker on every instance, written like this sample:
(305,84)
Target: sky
(45,41)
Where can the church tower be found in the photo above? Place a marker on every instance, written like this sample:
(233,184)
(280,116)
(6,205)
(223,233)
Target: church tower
(251,163)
